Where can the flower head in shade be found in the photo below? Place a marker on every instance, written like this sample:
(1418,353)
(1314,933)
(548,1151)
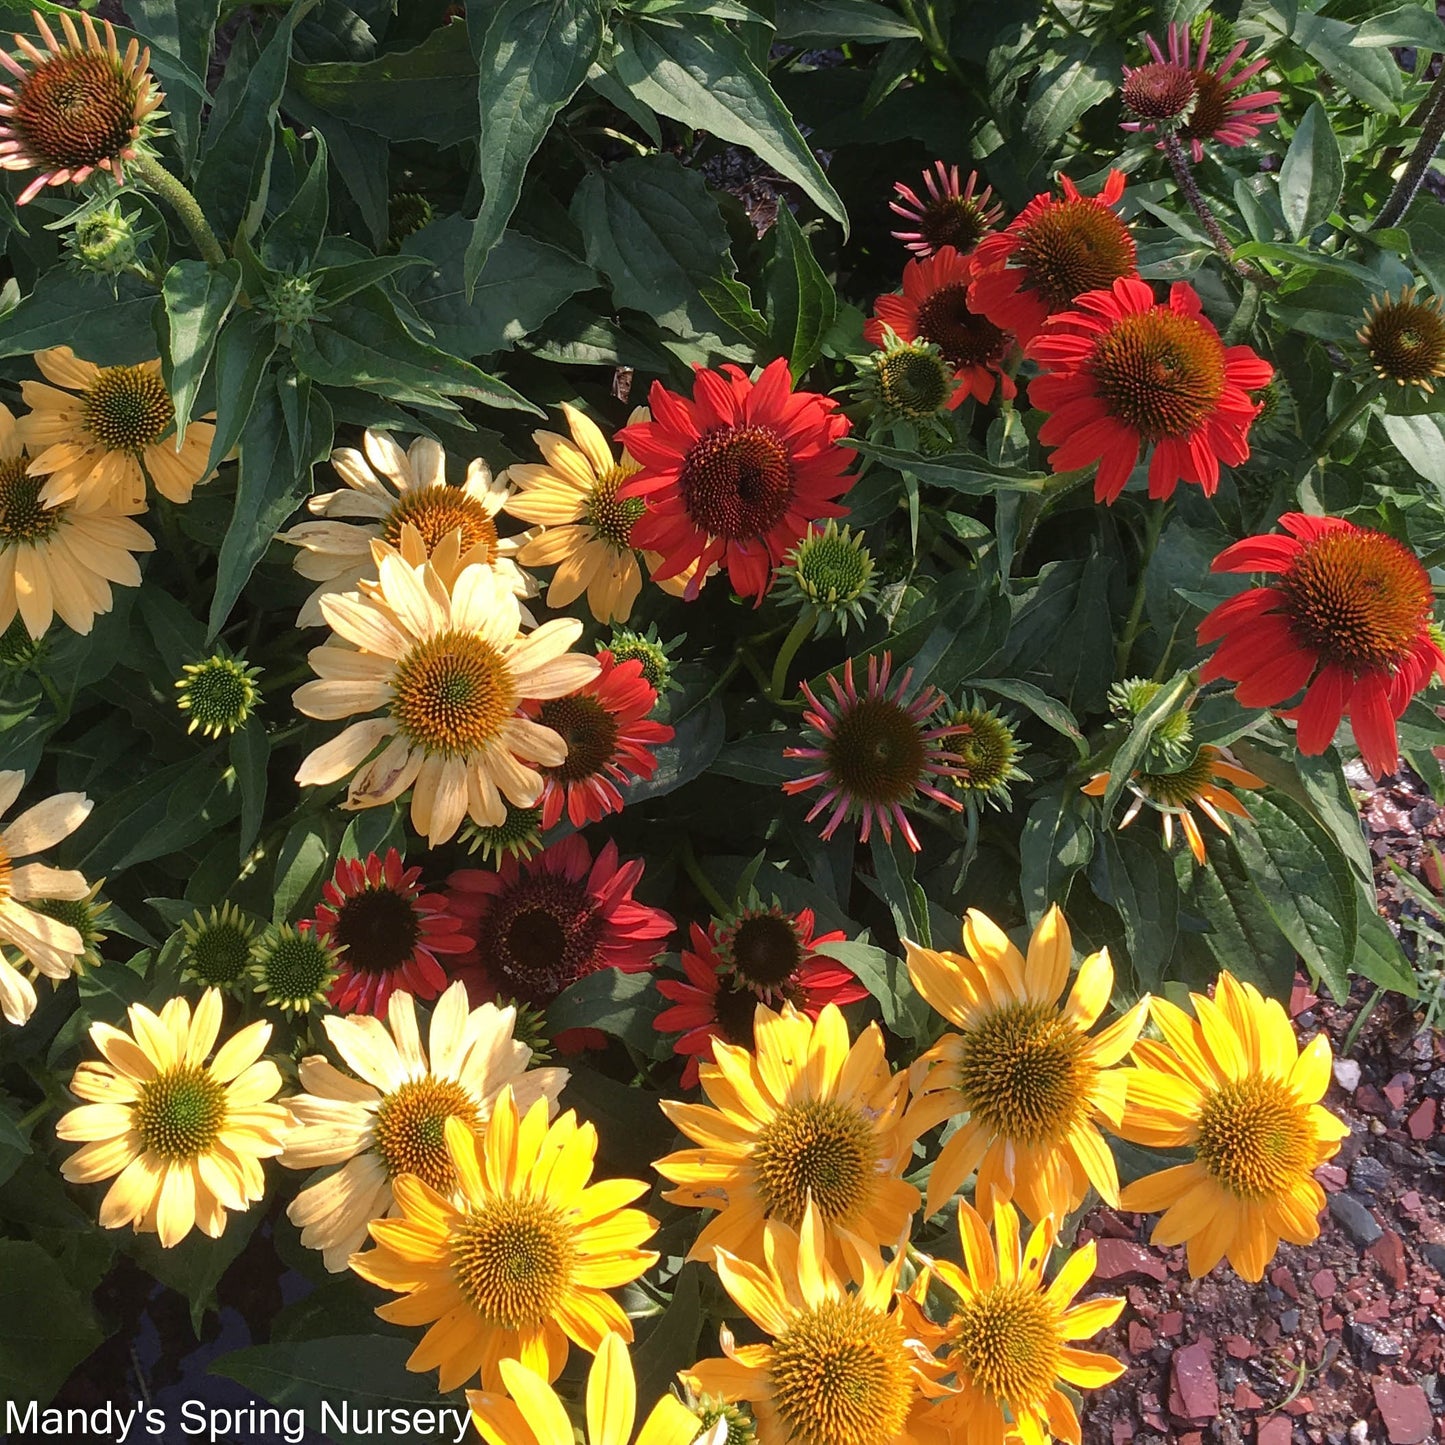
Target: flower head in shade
(1127,375)
(1216,113)
(390,934)
(388,1120)
(611,742)
(837,1367)
(180,1128)
(532,1413)
(758,954)
(388,491)
(293,968)
(805,1116)
(95,433)
(74,107)
(216,951)
(86,915)
(1405,339)
(733,477)
(1050,254)
(218,694)
(518,835)
(875,753)
(1009,1337)
(952,214)
(515,1260)
(934,307)
(1023,1067)
(58,560)
(1196,784)
(1233,1086)
(449,669)
(541,924)
(1347,617)
(45,944)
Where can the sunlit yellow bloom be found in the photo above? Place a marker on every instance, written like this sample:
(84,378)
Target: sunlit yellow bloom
(1023,1068)
(47,945)
(803,1115)
(532,1414)
(1233,1085)
(1008,1336)
(186,1137)
(1172,795)
(522,1264)
(389,1119)
(96,440)
(837,1368)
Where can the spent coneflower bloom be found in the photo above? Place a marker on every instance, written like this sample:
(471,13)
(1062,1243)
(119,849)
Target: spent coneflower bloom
(952,214)
(733,476)
(1217,114)
(1232,1085)
(1009,1340)
(1050,254)
(1033,1082)
(1125,374)
(1405,338)
(876,753)
(75,107)
(934,307)
(1348,618)
(1197,784)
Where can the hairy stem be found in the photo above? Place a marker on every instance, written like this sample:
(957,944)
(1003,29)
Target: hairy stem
(1432,131)
(183,203)
(1179,164)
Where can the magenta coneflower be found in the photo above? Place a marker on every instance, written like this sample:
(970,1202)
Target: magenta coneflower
(952,215)
(75,107)
(391,933)
(876,752)
(1219,114)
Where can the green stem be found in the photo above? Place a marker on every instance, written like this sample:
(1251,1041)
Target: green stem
(1154,526)
(807,618)
(34,1116)
(183,203)
(1345,420)
(700,880)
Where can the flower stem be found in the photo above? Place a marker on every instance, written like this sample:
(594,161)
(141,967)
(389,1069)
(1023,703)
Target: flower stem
(789,650)
(1412,177)
(1179,164)
(1346,419)
(1153,527)
(700,880)
(183,203)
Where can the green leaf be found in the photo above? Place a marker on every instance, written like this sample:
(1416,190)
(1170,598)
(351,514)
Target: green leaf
(46,1327)
(532,59)
(893,868)
(1047,709)
(1409,25)
(14,1146)
(187,31)
(904,1009)
(1427,240)
(732,303)
(294,237)
(1312,174)
(702,76)
(672,1342)
(958,471)
(250,752)
(303,863)
(1074,78)
(337,283)
(801,304)
(81,312)
(621,1004)
(1421,441)
(1134,876)
(1370,75)
(823,22)
(243,352)
(1136,744)
(1378,954)
(695,743)
(1242,937)
(193,1268)
(198,298)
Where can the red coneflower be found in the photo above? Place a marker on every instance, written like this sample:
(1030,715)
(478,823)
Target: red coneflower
(734,476)
(1128,373)
(876,752)
(951,216)
(1350,616)
(539,925)
(934,307)
(1049,255)
(756,955)
(609,742)
(1218,114)
(391,933)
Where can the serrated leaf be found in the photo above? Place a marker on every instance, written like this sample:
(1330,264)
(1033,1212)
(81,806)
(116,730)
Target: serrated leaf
(801,304)
(197,298)
(732,303)
(1312,174)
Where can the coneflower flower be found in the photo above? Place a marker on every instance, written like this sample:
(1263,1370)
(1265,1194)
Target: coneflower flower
(951,215)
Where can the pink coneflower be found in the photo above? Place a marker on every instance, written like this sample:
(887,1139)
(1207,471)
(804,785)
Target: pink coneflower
(1218,115)
(391,933)
(951,216)
(75,107)
(876,752)
(610,742)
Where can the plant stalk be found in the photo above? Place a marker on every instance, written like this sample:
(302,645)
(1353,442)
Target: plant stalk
(789,650)
(183,203)
(1412,177)
(1153,527)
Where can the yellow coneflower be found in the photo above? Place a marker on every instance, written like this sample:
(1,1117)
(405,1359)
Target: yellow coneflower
(96,440)
(1024,1069)
(184,1136)
(521,1265)
(531,1413)
(838,1368)
(1233,1085)
(451,669)
(1171,795)
(47,945)
(804,1116)
(1008,1339)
